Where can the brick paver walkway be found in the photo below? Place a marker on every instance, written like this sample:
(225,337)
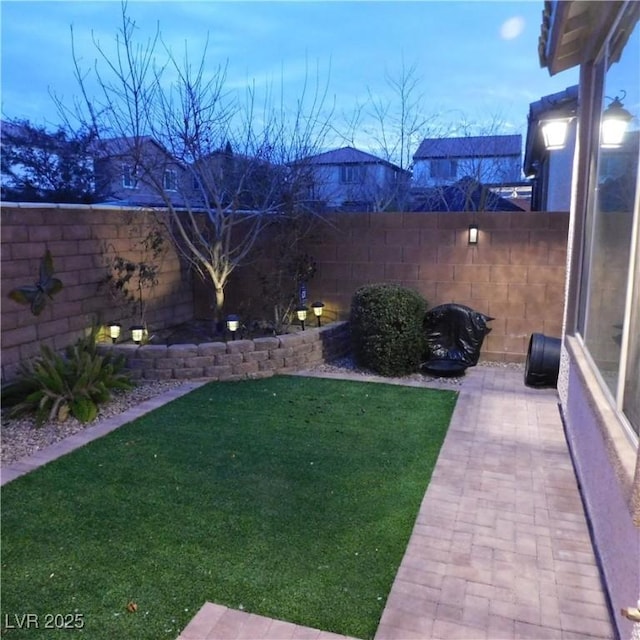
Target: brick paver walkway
(500,548)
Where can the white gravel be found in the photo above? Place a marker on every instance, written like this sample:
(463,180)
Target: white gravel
(20,437)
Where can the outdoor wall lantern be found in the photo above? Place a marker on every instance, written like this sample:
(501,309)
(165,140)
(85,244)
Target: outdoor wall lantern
(317,310)
(301,312)
(137,331)
(473,234)
(233,324)
(615,119)
(554,132)
(114,331)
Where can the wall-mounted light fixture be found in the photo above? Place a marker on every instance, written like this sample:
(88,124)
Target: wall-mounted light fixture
(301,312)
(317,310)
(137,332)
(233,324)
(615,119)
(473,234)
(114,331)
(554,131)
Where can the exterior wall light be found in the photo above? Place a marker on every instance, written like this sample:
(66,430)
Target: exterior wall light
(615,119)
(137,331)
(233,324)
(554,132)
(301,312)
(114,331)
(317,310)
(473,234)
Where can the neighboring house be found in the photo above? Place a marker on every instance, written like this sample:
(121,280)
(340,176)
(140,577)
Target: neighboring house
(349,179)
(599,381)
(140,172)
(486,159)
(464,195)
(550,170)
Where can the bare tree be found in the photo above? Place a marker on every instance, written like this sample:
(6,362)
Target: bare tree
(236,155)
(394,122)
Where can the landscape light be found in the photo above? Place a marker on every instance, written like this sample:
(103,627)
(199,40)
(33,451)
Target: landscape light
(317,310)
(137,331)
(301,312)
(114,331)
(233,324)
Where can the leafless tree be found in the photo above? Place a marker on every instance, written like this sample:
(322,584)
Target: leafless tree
(394,122)
(223,165)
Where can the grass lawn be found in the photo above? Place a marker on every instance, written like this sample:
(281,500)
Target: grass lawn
(289,497)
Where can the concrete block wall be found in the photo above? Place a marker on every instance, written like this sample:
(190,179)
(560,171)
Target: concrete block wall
(76,237)
(238,359)
(515,273)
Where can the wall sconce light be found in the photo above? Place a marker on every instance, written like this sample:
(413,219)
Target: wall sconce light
(473,234)
(301,312)
(615,119)
(233,324)
(114,331)
(137,332)
(554,132)
(317,310)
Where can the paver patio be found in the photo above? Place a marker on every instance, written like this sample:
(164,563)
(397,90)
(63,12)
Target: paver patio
(501,545)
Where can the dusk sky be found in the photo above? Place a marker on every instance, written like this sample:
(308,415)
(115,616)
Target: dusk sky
(475,61)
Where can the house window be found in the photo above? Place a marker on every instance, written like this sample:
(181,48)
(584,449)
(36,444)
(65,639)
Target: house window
(352,173)
(129,179)
(444,168)
(609,319)
(170,180)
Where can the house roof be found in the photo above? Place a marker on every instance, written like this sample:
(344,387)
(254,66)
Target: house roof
(469,146)
(124,145)
(348,155)
(465,195)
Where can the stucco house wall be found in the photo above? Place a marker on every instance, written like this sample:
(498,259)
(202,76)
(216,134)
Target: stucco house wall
(600,320)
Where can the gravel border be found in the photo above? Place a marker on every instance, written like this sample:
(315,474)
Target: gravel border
(20,438)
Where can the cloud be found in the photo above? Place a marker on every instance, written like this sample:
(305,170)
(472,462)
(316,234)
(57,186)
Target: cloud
(512,28)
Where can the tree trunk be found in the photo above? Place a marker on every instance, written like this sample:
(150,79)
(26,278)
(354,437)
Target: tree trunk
(219,300)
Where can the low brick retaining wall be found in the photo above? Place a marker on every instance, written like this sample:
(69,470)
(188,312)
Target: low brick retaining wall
(238,359)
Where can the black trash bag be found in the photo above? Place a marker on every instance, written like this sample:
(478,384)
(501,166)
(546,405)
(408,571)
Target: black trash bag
(455,333)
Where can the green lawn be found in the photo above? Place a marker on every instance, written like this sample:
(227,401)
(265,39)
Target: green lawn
(288,497)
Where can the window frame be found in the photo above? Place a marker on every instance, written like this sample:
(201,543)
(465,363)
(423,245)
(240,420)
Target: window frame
(129,177)
(587,248)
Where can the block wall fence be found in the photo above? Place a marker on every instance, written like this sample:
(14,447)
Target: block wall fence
(515,273)
(77,237)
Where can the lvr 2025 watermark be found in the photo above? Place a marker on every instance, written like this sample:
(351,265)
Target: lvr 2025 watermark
(43,621)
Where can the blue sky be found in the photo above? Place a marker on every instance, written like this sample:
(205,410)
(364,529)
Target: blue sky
(475,61)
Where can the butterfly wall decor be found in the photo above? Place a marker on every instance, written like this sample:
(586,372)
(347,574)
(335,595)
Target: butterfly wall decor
(36,295)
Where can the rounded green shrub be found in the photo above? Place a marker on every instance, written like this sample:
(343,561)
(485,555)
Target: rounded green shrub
(386,329)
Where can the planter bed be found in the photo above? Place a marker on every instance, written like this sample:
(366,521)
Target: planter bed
(237,359)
